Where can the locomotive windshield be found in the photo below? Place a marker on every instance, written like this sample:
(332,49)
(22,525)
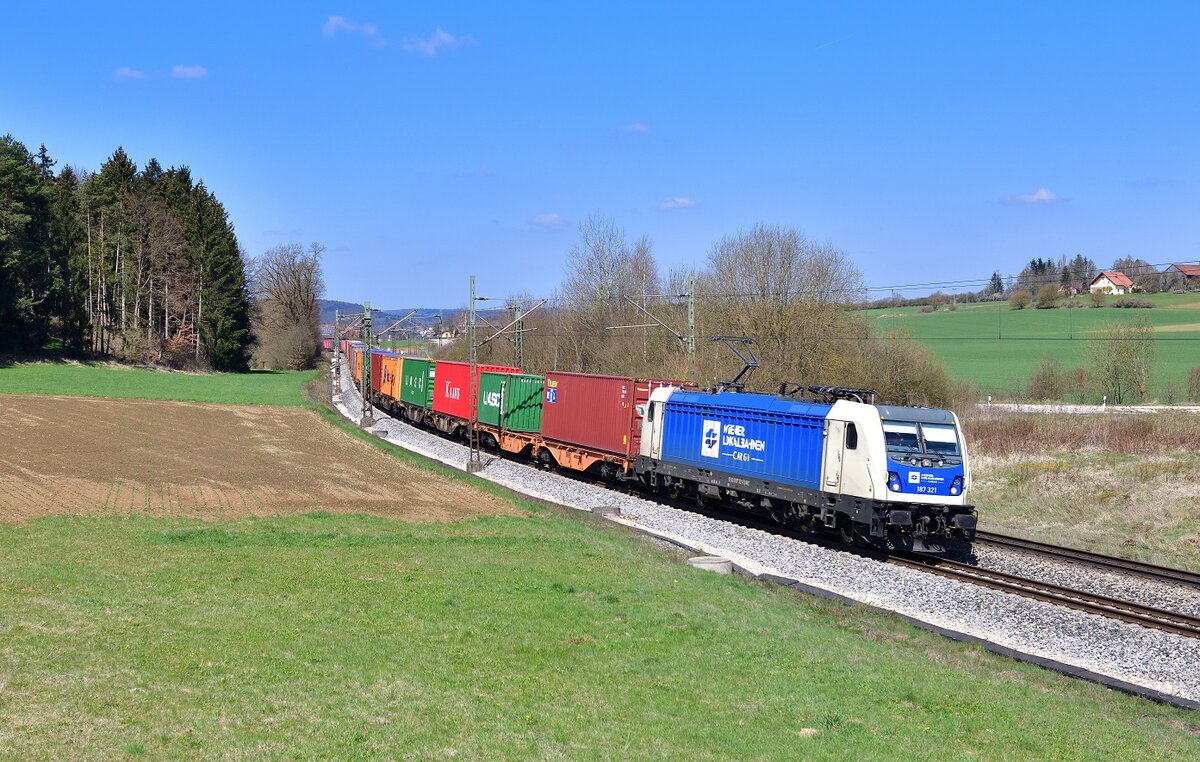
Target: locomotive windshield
(901,437)
(904,438)
(940,439)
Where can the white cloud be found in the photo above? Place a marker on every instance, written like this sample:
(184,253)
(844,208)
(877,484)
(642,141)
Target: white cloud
(636,128)
(335,24)
(433,44)
(189,72)
(1039,196)
(677,202)
(127,73)
(549,221)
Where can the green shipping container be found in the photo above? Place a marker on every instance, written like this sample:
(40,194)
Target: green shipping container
(511,401)
(416,382)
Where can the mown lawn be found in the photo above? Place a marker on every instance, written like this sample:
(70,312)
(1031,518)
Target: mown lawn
(340,636)
(997,349)
(125,382)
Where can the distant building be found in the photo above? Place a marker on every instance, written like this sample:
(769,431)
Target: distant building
(1111,282)
(1187,276)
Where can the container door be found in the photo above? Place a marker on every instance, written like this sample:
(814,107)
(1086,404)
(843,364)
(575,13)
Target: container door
(835,438)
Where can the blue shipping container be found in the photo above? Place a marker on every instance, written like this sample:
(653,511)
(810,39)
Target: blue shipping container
(749,435)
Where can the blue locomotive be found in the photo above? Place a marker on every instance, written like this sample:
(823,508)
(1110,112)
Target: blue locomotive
(891,476)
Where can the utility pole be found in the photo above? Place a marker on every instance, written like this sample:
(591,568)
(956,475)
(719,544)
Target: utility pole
(335,388)
(474,462)
(368,420)
(518,346)
(691,344)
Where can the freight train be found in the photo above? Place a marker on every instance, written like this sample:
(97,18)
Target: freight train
(884,475)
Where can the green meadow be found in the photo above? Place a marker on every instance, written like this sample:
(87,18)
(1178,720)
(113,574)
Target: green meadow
(997,349)
(335,636)
(75,379)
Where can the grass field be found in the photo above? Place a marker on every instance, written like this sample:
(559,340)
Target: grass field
(536,634)
(997,349)
(125,382)
(339,636)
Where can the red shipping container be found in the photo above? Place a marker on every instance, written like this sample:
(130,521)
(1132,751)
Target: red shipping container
(601,413)
(452,386)
(376,370)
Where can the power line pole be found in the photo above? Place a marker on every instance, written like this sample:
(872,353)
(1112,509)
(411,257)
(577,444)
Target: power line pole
(518,345)
(368,420)
(474,462)
(335,389)
(691,345)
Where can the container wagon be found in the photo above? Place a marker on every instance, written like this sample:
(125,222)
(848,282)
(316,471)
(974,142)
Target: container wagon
(385,380)
(510,410)
(452,394)
(594,423)
(416,388)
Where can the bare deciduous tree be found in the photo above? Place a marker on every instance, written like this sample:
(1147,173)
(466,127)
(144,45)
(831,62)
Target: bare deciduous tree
(286,284)
(794,297)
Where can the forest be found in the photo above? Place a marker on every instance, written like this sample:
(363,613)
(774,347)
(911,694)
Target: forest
(137,264)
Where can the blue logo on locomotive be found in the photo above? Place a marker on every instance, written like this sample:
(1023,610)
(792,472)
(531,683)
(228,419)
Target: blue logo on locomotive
(710,440)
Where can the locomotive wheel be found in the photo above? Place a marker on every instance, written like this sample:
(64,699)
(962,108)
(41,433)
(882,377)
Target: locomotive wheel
(846,532)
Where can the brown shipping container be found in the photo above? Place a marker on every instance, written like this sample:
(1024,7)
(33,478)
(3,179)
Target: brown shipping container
(597,412)
(376,371)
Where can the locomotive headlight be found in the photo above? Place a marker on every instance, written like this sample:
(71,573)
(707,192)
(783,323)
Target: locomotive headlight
(893,481)
(956,485)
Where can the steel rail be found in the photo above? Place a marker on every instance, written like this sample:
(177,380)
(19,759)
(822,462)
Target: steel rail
(1088,558)
(1113,608)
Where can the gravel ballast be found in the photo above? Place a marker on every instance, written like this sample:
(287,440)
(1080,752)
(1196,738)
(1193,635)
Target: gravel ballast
(1157,661)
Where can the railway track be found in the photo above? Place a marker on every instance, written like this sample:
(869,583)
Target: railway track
(1096,560)
(1167,621)
(1113,608)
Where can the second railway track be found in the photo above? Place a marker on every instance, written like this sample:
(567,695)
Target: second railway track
(1087,558)
(1113,608)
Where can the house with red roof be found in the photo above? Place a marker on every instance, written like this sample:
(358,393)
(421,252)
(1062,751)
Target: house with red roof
(1111,282)
(1187,276)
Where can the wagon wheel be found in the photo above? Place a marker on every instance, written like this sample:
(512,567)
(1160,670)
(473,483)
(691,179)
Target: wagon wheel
(846,532)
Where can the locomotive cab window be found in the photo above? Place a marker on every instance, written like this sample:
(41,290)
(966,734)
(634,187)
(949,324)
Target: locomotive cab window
(901,437)
(851,437)
(940,439)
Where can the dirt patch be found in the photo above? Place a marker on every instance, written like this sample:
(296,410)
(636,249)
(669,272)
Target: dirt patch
(71,455)
(1179,328)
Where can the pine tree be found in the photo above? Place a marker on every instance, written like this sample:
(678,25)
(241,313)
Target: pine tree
(997,284)
(70,254)
(223,309)
(24,275)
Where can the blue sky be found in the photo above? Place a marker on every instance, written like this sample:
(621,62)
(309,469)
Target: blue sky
(423,142)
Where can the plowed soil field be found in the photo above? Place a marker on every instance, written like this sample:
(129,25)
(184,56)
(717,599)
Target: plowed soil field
(70,455)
